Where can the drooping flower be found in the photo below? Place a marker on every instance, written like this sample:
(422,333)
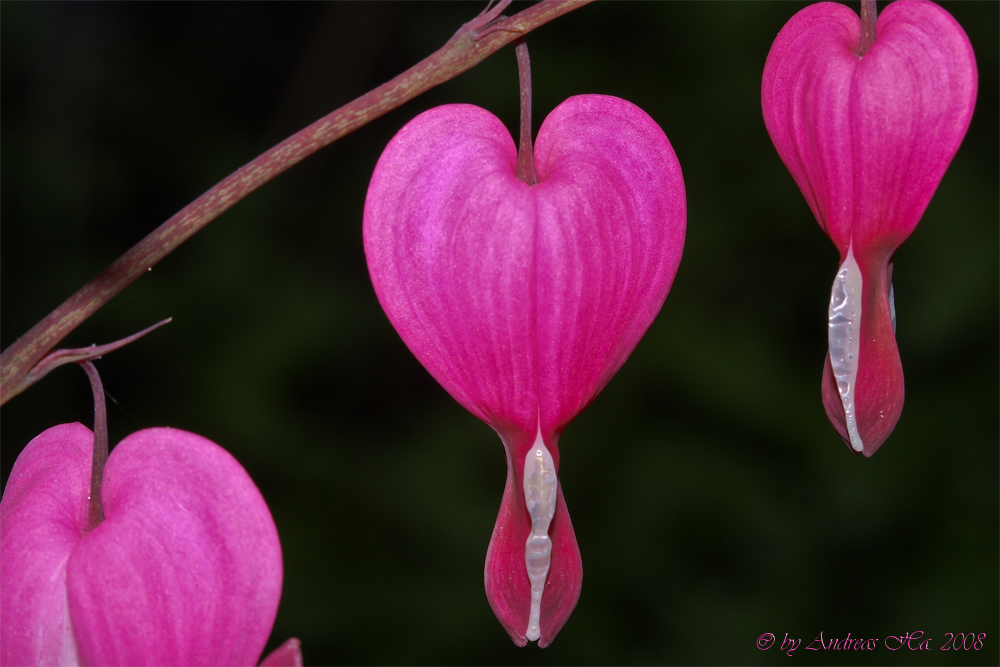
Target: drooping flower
(867,130)
(185,568)
(523,301)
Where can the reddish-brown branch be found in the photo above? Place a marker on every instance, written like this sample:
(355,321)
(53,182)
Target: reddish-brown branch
(472,43)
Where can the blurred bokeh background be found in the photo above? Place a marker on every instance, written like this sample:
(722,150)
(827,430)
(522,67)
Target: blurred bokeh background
(712,500)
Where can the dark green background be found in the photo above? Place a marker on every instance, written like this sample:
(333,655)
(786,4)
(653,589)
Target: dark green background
(712,500)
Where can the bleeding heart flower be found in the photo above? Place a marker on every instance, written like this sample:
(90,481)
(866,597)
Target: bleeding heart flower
(185,568)
(523,301)
(867,130)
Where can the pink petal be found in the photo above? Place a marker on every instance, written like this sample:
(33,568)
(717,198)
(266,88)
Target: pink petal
(521,299)
(610,231)
(805,99)
(507,587)
(524,301)
(449,236)
(913,98)
(288,654)
(186,568)
(869,139)
(43,516)
(880,390)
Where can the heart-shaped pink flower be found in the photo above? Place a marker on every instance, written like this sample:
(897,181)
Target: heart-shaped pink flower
(867,135)
(523,301)
(185,569)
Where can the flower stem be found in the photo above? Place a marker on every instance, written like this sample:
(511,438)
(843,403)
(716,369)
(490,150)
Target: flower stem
(100,446)
(471,44)
(869,16)
(525,153)
(81,354)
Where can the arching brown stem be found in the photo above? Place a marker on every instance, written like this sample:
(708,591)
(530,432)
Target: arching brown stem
(473,42)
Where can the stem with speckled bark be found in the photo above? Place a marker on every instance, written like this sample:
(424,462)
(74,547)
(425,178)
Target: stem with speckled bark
(473,42)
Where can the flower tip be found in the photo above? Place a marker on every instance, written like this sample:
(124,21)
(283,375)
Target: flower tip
(288,654)
(507,585)
(877,408)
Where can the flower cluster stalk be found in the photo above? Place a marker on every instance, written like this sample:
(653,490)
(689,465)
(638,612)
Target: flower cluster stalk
(473,42)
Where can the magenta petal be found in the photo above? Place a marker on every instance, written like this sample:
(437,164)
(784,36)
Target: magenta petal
(880,390)
(523,301)
(288,654)
(186,568)
(914,95)
(868,139)
(449,236)
(805,99)
(43,515)
(518,298)
(610,231)
(507,587)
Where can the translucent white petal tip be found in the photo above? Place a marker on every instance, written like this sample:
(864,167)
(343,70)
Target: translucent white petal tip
(845,338)
(540,486)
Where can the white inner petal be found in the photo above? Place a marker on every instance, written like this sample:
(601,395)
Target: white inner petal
(540,486)
(845,338)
